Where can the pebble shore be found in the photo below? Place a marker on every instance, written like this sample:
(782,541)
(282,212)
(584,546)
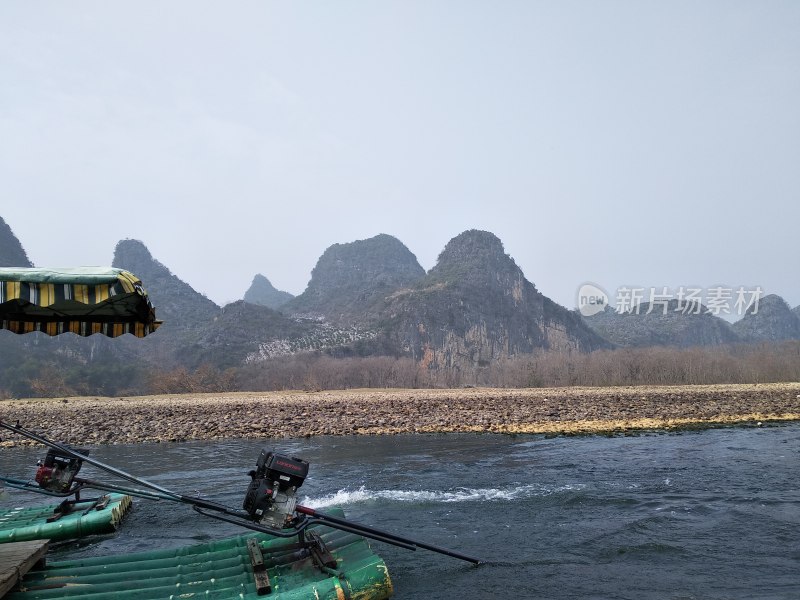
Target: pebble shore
(556,411)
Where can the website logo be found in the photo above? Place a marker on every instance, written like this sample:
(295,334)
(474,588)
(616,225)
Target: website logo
(592,299)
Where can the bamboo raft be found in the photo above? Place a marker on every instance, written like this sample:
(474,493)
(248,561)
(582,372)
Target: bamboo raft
(244,567)
(54,522)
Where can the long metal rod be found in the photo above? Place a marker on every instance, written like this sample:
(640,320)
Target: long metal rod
(120,489)
(70,452)
(242,517)
(386,539)
(256,527)
(80,484)
(365,530)
(168,494)
(22,484)
(374,535)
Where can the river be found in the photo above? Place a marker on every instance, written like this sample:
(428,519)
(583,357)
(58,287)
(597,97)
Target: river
(706,514)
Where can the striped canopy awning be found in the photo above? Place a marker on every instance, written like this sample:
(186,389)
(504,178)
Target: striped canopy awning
(83,300)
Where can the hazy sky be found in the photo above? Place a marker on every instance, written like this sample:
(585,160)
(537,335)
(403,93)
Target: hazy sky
(622,143)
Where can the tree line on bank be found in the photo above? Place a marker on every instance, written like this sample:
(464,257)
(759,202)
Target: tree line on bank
(740,363)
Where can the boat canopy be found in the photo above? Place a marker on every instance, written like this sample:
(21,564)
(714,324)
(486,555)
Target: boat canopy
(80,300)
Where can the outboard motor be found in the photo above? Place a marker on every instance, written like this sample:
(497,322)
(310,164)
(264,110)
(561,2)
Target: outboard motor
(272,495)
(58,470)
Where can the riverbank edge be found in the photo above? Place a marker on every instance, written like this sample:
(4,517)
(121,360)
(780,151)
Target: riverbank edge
(295,414)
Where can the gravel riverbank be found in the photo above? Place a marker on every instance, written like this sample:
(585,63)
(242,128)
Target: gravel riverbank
(345,412)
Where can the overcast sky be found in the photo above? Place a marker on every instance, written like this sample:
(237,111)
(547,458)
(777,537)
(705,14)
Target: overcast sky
(621,143)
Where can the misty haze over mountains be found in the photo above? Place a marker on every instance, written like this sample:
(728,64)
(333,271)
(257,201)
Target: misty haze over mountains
(371,297)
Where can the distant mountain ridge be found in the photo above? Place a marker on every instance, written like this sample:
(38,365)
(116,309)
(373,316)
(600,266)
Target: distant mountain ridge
(263,293)
(475,307)
(371,297)
(176,302)
(349,279)
(670,324)
(770,320)
(12,254)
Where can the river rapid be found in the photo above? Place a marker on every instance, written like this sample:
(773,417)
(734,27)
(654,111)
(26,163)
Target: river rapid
(703,514)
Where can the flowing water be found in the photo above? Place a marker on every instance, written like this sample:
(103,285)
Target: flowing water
(710,514)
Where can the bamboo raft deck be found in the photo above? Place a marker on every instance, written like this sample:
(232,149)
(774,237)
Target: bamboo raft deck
(16,559)
(248,566)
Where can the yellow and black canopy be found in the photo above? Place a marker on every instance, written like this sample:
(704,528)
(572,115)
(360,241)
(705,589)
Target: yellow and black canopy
(82,300)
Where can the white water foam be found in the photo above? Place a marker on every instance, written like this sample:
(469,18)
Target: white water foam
(345,496)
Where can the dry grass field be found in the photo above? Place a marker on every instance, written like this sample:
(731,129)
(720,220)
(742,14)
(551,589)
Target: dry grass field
(557,411)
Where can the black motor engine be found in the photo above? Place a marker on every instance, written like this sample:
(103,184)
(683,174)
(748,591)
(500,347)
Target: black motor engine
(58,470)
(272,495)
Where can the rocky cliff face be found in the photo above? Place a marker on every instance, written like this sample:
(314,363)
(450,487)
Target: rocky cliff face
(350,279)
(238,331)
(772,320)
(475,306)
(263,293)
(12,254)
(659,325)
(367,298)
(196,331)
(176,302)
(246,333)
